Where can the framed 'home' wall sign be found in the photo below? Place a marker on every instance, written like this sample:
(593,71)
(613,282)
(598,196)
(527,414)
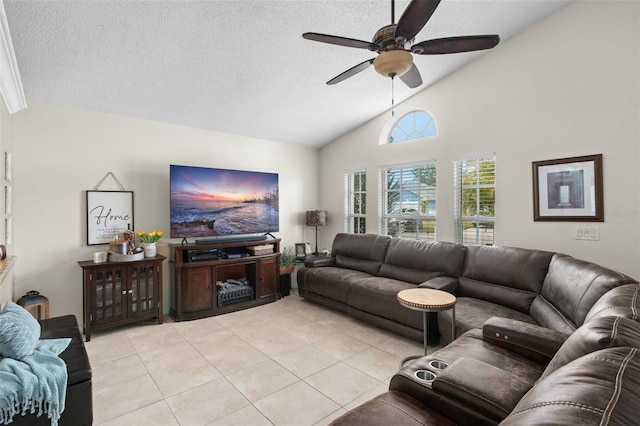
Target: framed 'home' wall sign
(109,213)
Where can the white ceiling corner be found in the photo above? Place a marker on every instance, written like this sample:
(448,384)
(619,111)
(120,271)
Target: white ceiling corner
(10,82)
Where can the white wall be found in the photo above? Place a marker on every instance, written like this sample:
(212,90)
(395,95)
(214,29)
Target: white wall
(568,86)
(60,153)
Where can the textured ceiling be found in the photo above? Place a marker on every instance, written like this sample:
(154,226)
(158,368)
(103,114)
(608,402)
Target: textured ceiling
(239,67)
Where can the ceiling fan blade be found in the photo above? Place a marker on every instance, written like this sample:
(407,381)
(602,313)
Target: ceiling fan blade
(412,77)
(340,41)
(351,72)
(415,16)
(455,44)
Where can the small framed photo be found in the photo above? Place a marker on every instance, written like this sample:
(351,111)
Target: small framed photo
(8,165)
(568,189)
(300,252)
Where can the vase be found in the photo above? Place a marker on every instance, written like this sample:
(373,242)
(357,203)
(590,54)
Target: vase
(150,249)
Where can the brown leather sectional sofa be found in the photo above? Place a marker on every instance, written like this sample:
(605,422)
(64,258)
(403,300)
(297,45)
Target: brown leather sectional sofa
(543,338)
(497,376)
(364,273)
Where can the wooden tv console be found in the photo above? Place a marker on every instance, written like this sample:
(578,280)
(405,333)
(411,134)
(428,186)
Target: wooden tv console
(217,278)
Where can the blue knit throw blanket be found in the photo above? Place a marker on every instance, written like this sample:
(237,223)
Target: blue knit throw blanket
(36,385)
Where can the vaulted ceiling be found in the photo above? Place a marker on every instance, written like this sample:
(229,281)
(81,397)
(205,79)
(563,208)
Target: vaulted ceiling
(239,67)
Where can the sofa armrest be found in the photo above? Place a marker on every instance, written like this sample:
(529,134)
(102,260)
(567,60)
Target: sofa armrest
(318,261)
(533,341)
(444,283)
(483,388)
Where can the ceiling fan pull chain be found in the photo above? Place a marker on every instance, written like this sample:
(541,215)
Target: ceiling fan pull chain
(393,103)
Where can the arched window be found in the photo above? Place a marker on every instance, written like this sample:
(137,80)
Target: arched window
(413,125)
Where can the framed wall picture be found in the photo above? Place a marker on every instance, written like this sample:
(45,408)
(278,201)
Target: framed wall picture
(568,189)
(109,213)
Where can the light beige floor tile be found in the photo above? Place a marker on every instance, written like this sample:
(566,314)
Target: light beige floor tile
(294,303)
(207,403)
(276,344)
(368,334)
(230,355)
(262,379)
(305,361)
(117,371)
(296,405)
(107,347)
(201,327)
(173,380)
(247,416)
(342,383)
(402,347)
(312,332)
(169,356)
(375,362)
(341,346)
(154,337)
(258,329)
(289,320)
(238,318)
(338,321)
(315,312)
(213,342)
(152,415)
(114,401)
(183,354)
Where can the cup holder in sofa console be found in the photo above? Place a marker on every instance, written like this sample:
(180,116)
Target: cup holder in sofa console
(425,376)
(438,365)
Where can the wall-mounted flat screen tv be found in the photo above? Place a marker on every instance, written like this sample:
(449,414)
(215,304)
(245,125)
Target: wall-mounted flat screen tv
(209,202)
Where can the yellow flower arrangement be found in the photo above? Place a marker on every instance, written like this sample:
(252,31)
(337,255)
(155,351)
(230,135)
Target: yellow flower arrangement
(151,237)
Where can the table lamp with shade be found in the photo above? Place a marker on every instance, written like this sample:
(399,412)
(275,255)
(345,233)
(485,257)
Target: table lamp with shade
(316,218)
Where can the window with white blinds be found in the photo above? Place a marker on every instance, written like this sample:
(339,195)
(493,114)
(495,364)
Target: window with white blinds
(355,202)
(475,199)
(408,201)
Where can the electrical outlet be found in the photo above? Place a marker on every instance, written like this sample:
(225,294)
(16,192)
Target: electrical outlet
(587,233)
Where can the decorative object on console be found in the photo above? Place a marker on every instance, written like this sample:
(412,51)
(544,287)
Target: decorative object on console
(316,218)
(148,242)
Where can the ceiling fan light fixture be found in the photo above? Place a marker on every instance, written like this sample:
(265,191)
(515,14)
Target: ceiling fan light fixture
(393,63)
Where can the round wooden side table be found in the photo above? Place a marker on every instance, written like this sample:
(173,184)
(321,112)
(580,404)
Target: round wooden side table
(428,300)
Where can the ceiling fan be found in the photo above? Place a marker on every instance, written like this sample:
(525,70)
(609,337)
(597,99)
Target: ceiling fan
(394,44)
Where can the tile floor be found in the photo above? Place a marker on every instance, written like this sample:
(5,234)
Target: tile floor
(290,362)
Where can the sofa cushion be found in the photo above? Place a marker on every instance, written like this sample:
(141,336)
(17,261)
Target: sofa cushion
(380,296)
(19,332)
(472,313)
(508,276)
(417,261)
(392,408)
(570,289)
(599,333)
(597,389)
(623,301)
(360,252)
(330,282)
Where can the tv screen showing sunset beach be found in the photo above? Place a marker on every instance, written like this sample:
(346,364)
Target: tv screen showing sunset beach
(208,202)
